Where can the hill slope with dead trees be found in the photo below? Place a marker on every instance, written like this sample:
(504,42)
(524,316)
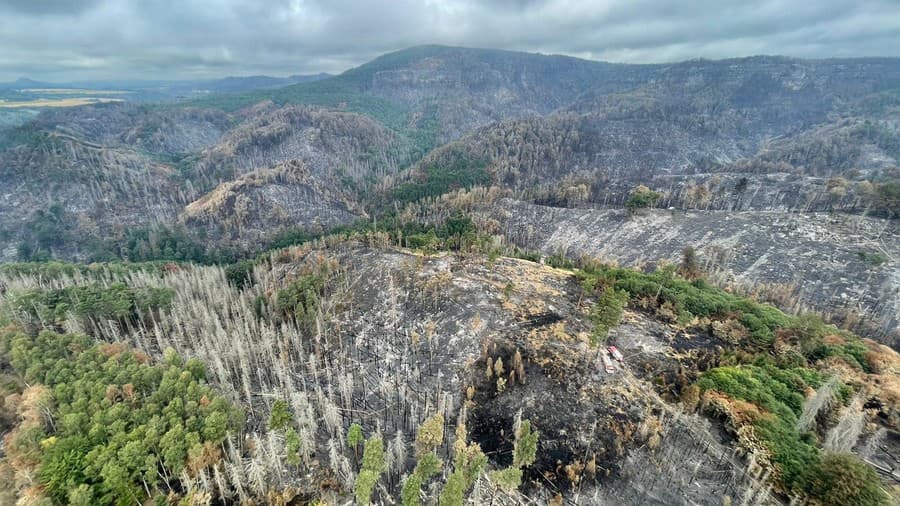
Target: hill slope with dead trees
(356,365)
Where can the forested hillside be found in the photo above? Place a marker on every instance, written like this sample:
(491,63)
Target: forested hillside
(354,369)
(218,179)
(399,285)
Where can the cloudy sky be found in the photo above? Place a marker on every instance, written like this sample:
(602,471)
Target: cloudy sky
(156,39)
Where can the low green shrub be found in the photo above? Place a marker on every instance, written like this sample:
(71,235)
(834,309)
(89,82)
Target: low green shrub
(801,466)
(690,300)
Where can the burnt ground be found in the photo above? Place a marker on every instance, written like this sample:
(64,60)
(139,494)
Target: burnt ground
(403,335)
(820,261)
(621,438)
(605,438)
(418,332)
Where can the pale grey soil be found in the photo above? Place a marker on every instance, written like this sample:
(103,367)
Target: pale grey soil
(822,257)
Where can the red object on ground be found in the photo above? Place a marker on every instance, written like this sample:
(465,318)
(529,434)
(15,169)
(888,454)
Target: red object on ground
(616,354)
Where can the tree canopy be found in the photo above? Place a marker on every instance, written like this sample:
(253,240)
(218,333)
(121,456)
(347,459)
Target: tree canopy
(113,428)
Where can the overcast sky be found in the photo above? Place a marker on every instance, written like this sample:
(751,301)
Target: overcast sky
(101,39)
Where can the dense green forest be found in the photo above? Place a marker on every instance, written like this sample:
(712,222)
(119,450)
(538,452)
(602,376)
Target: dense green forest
(103,425)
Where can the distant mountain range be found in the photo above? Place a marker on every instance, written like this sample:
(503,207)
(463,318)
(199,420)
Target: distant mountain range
(148,90)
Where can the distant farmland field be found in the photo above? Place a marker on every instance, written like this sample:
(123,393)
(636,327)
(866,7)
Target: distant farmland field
(57,102)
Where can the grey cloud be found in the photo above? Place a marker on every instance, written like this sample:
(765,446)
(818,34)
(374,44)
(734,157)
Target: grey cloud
(48,7)
(56,39)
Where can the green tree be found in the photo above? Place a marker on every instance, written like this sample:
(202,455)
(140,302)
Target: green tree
(300,299)
(292,447)
(507,479)
(606,313)
(215,426)
(468,463)
(373,455)
(364,486)
(240,274)
(372,467)
(640,198)
(171,357)
(459,231)
(354,439)
(427,466)
(524,454)
(454,491)
(281,416)
(82,495)
(690,266)
(174,449)
(411,491)
(121,423)
(525,450)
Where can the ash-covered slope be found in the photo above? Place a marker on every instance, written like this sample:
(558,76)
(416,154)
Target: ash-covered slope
(253,208)
(843,265)
(402,336)
(57,191)
(762,95)
(698,117)
(110,169)
(465,88)
(160,131)
(338,147)
(760,133)
(444,92)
